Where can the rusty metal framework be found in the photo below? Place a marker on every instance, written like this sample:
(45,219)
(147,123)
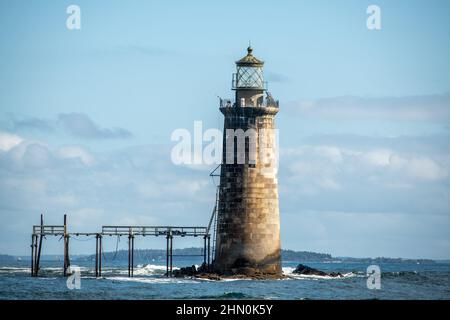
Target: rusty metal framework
(41,231)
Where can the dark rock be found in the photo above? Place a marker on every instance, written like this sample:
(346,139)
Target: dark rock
(305,270)
(203,268)
(185,272)
(209,276)
(205,272)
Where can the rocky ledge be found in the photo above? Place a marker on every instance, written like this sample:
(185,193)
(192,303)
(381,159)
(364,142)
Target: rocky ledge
(305,270)
(203,272)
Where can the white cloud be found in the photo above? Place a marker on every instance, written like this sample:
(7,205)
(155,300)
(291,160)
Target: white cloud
(140,185)
(426,168)
(329,183)
(419,167)
(178,189)
(75,152)
(378,157)
(335,154)
(28,154)
(426,108)
(80,125)
(9,141)
(331,167)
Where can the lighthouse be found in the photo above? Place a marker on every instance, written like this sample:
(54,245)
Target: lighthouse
(248,221)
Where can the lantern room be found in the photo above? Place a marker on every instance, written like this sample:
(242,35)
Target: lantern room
(249,73)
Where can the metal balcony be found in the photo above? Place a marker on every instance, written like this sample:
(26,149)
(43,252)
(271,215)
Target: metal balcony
(266,103)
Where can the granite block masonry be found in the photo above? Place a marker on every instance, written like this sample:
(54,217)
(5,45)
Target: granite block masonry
(248,221)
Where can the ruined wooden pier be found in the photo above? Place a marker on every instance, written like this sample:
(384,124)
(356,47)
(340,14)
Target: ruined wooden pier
(42,230)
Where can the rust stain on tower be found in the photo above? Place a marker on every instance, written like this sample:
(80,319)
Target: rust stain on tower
(248,222)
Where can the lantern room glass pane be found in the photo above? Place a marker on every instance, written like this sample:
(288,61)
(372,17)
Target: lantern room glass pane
(250,77)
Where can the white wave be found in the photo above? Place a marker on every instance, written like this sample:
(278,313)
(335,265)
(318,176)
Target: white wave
(152,280)
(224,279)
(289,271)
(151,269)
(235,279)
(14,269)
(82,269)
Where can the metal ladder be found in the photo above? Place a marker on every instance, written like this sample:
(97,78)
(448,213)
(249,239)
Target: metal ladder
(214,217)
(213,220)
(216,211)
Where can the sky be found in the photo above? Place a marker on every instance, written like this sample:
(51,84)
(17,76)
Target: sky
(86,118)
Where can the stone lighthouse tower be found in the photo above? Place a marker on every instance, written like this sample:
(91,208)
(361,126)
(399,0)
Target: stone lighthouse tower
(248,223)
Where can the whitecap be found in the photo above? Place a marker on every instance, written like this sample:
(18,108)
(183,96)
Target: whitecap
(151,269)
(289,271)
(152,280)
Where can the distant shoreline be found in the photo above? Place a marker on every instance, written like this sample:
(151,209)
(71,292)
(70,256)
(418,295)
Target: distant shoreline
(287,256)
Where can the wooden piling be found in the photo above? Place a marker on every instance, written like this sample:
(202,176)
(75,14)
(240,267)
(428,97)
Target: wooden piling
(66,247)
(96,255)
(32,255)
(204,250)
(132,255)
(209,251)
(66,254)
(129,255)
(171,253)
(100,257)
(38,257)
(35,254)
(167,255)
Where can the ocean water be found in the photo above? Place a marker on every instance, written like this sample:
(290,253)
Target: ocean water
(398,281)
